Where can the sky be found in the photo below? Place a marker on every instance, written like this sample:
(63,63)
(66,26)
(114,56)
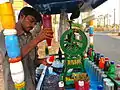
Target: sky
(108,8)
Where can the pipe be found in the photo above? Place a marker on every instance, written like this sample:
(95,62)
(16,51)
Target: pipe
(91,33)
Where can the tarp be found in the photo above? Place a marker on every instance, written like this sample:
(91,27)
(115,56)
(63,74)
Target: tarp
(55,6)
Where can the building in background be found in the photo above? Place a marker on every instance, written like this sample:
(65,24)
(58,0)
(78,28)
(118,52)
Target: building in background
(106,15)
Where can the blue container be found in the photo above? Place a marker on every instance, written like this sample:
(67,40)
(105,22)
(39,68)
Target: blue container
(91,30)
(99,87)
(12,46)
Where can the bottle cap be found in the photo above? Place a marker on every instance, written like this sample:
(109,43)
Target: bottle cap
(85,55)
(106,80)
(61,84)
(50,59)
(112,62)
(118,66)
(101,55)
(106,59)
(110,84)
(98,53)
(81,83)
(90,49)
(10,32)
(99,87)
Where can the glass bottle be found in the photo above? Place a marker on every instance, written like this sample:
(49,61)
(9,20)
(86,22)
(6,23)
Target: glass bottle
(118,71)
(60,55)
(112,69)
(92,55)
(61,85)
(98,58)
(95,58)
(107,64)
(46,49)
(102,62)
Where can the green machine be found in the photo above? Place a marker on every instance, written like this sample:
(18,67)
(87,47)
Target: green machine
(73,43)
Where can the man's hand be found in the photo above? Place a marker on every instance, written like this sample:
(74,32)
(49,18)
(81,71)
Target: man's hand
(46,34)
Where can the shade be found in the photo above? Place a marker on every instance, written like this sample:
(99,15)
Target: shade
(56,6)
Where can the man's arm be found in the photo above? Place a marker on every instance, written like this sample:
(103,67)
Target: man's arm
(33,43)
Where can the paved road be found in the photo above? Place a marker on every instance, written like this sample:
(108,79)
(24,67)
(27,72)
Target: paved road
(108,46)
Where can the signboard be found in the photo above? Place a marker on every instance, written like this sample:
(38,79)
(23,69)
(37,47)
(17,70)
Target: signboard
(88,19)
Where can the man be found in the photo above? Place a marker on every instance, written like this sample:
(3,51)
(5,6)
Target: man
(27,19)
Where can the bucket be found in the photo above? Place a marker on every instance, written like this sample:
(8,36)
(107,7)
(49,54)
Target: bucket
(7,16)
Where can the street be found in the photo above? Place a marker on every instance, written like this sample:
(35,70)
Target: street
(108,46)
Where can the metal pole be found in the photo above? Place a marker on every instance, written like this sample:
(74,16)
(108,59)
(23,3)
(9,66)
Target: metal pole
(114,16)
(119,16)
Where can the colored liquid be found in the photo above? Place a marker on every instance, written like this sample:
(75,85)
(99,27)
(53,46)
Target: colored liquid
(49,42)
(102,63)
(47,21)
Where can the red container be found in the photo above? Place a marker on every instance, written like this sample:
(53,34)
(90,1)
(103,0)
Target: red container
(47,22)
(86,85)
(49,41)
(82,85)
(101,62)
(79,85)
(47,25)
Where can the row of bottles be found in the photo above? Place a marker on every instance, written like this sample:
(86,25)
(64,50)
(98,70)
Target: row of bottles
(102,62)
(105,65)
(100,65)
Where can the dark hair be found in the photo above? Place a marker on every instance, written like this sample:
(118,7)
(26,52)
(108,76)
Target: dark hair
(30,11)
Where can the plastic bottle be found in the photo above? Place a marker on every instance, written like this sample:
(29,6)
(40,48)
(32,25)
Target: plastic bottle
(47,21)
(102,62)
(80,85)
(90,52)
(47,25)
(98,58)
(61,85)
(92,56)
(95,58)
(118,71)
(60,55)
(38,72)
(46,49)
(107,64)
(112,69)
(50,59)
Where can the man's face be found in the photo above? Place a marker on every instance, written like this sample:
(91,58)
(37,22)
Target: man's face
(28,23)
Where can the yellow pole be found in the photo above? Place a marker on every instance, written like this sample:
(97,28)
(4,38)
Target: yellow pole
(91,33)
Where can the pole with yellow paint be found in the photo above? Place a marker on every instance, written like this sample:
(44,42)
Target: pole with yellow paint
(12,44)
(91,33)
